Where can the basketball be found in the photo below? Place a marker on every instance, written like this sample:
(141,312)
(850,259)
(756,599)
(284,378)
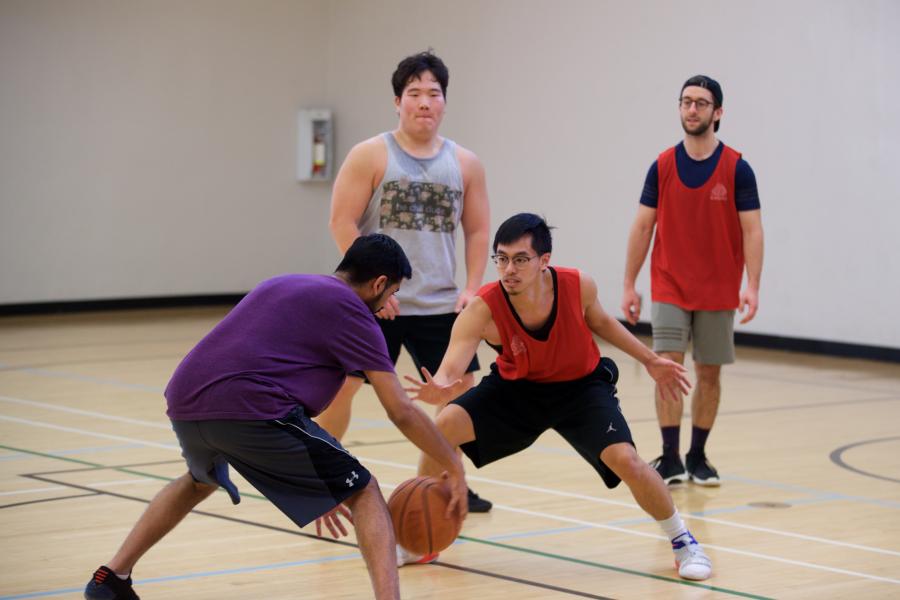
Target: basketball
(417,509)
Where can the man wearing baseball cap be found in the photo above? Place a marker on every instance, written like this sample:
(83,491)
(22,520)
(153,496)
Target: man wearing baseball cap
(700,196)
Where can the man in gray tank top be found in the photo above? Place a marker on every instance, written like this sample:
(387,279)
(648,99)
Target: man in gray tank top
(419,188)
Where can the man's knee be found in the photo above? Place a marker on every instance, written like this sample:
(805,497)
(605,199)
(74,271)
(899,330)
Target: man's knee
(455,424)
(708,374)
(199,489)
(623,460)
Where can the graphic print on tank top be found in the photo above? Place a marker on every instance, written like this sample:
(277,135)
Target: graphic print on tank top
(419,205)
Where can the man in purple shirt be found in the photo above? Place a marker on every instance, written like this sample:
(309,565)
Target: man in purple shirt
(245,396)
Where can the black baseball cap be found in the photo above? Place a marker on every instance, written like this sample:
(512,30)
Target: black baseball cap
(710,84)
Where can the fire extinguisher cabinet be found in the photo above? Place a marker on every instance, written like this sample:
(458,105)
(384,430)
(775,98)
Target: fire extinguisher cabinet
(315,145)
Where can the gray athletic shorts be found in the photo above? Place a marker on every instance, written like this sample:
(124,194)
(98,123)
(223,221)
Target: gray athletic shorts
(710,331)
(292,461)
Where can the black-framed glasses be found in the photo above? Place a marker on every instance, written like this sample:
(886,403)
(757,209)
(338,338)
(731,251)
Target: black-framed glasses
(518,261)
(701,104)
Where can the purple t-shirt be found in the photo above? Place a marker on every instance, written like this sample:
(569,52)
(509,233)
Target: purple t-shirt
(290,341)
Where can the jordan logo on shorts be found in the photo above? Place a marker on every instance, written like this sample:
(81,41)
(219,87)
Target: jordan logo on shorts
(611,428)
(353,477)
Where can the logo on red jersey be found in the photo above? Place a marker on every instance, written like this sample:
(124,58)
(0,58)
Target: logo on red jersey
(719,193)
(517,345)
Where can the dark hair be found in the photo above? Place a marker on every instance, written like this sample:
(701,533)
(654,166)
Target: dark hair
(374,255)
(413,66)
(710,84)
(518,226)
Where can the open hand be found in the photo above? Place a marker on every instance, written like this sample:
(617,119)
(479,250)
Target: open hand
(333,522)
(432,392)
(670,376)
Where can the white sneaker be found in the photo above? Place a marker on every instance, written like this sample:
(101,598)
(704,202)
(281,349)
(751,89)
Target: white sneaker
(690,559)
(405,557)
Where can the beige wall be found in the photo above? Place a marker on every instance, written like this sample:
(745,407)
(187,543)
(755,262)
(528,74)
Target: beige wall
(568,103)
(147,147)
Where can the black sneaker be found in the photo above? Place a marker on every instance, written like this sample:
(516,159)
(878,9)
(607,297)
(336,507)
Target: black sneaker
(670,468)
(477,504)
(700,471)
(106,585)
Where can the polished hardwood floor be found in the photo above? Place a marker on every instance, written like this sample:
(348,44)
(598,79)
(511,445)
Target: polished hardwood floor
(808,448)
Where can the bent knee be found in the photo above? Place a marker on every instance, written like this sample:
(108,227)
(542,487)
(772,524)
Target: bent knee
(624,461)
(708,374)
(200,488)
(455,424)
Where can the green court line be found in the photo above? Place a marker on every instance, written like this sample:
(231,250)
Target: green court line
(540,553)
(589,563)
(120,469)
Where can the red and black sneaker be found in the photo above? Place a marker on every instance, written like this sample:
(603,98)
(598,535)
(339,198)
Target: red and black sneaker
(106,585)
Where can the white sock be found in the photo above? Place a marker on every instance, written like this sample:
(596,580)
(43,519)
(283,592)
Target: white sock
(123,577)
(673,526)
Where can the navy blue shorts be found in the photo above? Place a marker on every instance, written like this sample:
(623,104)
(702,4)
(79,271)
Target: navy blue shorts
(292,461)
(425,337)
(508,416)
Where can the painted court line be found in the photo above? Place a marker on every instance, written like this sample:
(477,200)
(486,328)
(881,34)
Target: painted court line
(118,438)
(188,576)
(551,492)
(491,574)
(725,549)
(532,488)
(497,482)
(86,413)
(88,379)
(100,484)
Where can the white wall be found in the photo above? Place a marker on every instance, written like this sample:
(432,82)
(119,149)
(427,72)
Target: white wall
(147,147)
(568,103)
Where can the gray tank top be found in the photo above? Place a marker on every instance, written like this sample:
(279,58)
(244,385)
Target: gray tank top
(419,203)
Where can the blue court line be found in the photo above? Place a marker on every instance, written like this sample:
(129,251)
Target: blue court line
(537,447)
(71,451)
(812,491)
(87,379)
(726,510)
(645,520)
(188,576)
(94,449)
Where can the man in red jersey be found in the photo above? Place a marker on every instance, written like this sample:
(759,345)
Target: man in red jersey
(701,197)
(549,375)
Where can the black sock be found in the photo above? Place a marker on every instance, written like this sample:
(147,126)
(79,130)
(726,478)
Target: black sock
(698,441)
(670,437)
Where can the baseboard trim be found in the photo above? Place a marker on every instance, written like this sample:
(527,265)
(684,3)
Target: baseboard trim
(754,340)
(792,344)
(75,306)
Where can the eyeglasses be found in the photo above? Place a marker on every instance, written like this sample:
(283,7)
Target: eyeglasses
(519,261)
(701,104)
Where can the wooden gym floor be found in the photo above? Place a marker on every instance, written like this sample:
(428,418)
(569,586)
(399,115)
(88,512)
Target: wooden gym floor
(808,448)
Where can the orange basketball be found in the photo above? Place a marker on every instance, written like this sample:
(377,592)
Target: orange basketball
(417,509)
